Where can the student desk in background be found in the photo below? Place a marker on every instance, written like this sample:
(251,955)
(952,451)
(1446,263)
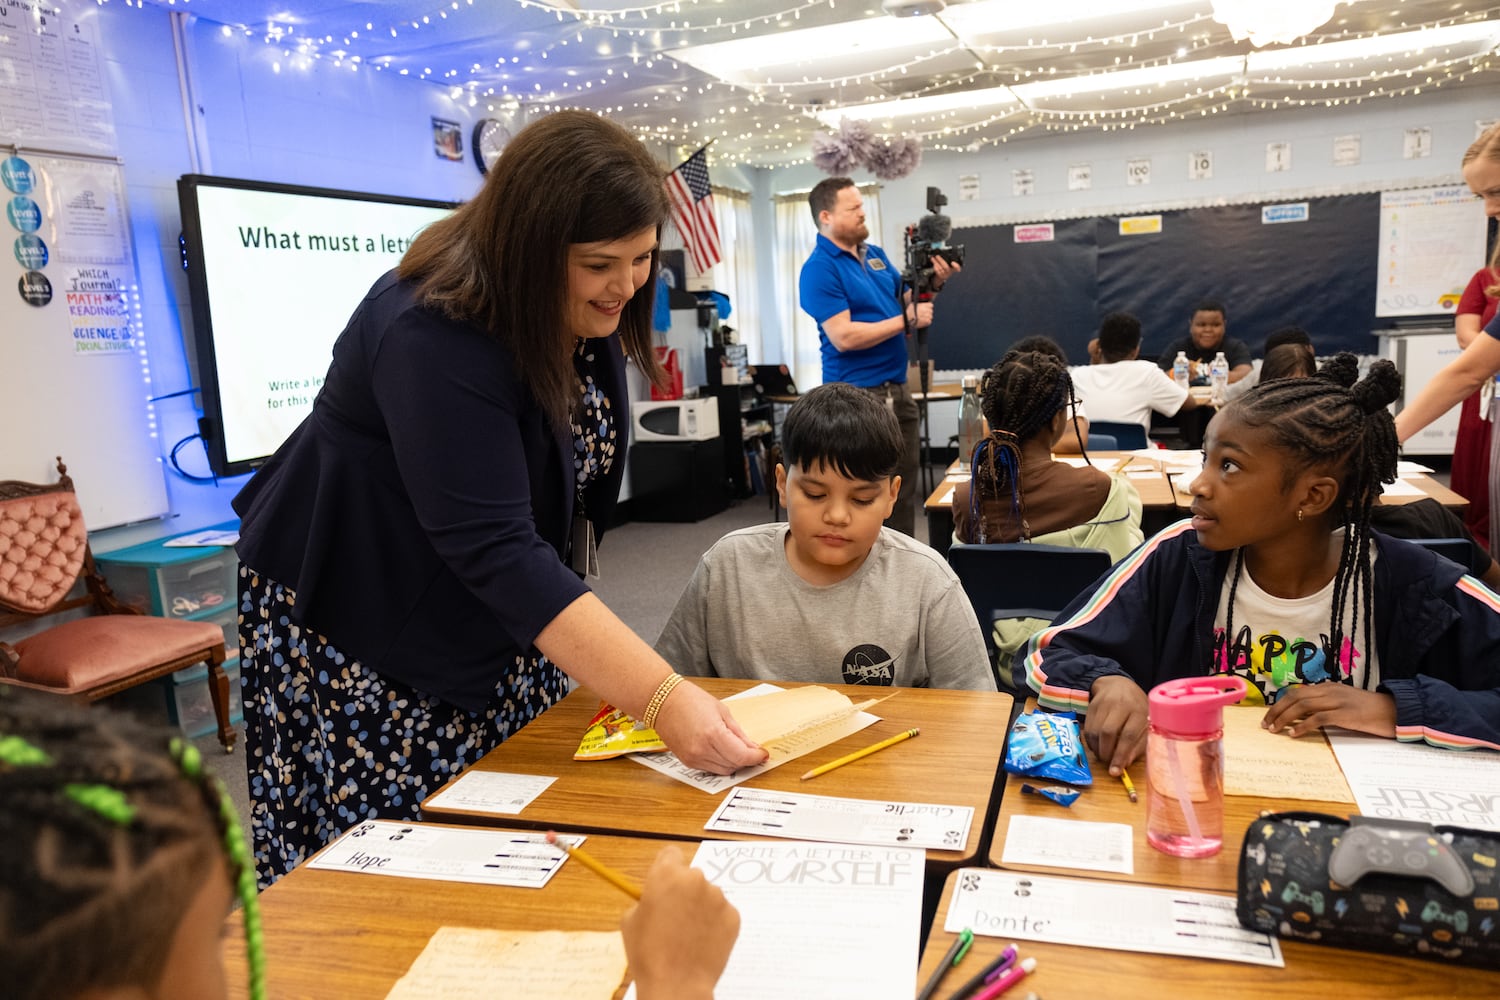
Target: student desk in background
(1413,487)
(954,762)
(1158,505)
(332,935)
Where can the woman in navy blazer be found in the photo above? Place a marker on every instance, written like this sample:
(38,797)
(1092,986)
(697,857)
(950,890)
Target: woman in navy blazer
(411,585)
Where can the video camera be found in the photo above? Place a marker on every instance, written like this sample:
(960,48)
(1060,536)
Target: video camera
(928,239)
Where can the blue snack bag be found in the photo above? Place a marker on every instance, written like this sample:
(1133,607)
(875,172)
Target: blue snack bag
(1057,793)
(1046,745)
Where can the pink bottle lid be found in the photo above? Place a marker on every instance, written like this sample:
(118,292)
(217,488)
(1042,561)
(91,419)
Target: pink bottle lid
(1194,704)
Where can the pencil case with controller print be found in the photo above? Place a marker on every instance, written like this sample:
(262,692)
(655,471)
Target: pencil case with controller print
(1391,886)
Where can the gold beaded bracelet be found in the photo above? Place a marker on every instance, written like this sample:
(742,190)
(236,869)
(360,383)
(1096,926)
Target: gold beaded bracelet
(659,699)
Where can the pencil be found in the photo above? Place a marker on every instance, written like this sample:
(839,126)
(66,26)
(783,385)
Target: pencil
(856,755)
(596,866)
(1120,465)
(1129,786)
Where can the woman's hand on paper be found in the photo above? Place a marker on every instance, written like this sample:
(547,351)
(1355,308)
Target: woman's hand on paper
(1307,708)
(703,734)
(1116,723)
(679,936)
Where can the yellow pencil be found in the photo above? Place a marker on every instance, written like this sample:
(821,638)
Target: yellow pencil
(596,866)
(1129,786)
(1120,465)
(856,755)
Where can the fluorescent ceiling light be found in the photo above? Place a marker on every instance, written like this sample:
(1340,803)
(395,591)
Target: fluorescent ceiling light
(1131,79)
(1358,49)
(788,48)
(937,104)
(997,16)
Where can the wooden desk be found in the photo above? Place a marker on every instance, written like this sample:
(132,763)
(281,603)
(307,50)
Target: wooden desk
(1430,488)
(954,762)
(1106,802)
(1157,498)
(338,935)
(1312,972)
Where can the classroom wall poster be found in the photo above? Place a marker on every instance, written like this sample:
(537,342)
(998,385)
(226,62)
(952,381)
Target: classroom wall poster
(54,95)
(1431,242)
(98,311)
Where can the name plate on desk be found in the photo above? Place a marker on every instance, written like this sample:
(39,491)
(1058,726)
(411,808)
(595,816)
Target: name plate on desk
(847,821)
(445,853)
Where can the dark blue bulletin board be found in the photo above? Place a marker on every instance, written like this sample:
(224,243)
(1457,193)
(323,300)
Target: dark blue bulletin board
(1318,273)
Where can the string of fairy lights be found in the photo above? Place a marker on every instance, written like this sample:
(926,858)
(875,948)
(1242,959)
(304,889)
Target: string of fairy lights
(763,120)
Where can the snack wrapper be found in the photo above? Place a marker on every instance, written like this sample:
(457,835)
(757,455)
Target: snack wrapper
(1047,745)
(613,733)
(1057,793)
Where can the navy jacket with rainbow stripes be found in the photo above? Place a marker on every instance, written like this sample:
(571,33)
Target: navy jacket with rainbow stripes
(1437,633)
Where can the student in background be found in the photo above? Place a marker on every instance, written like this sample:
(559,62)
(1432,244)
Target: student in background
(1470,476)
(830,596)
(1288,361)
(1280,548)
(1017,492)
(1073,437)
(411,558)
(1206,337)
(1122,388)
(1278,338)
(124,858)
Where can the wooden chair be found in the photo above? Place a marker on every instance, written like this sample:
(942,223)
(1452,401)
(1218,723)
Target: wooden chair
(43,551)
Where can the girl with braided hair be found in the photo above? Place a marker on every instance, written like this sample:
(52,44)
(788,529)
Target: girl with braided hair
(122,857)
(1016,491)
(1278,578)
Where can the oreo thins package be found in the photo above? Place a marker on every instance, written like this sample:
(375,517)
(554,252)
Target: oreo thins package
(1046,745)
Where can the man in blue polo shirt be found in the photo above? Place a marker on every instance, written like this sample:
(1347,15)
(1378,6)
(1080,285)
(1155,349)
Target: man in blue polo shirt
(855,293)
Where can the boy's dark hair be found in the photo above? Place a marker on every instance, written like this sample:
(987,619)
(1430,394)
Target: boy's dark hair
(1119,335)
(1287,335)
(1212,306)
(1333,422)
(1288,361)
(825,195)
(111,828)
(1019,397)
(1040,342)
(845,428)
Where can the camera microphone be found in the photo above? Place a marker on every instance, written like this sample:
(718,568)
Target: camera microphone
(934,229)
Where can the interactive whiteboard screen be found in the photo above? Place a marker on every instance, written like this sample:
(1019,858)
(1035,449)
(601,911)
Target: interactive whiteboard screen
(275,271)
(1431,243)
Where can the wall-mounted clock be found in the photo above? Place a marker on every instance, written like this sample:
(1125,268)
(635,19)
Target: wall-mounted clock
(488,140)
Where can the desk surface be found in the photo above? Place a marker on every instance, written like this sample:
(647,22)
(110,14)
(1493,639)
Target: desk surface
(1312,972)
(1430,488)
(1106,802)
(954,762)
(340,935)
(1155,491)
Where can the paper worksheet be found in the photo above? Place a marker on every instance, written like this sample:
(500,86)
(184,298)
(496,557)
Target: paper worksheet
(1401,488)
(770,813)
(766,730)
(204,539)
(491,792)
(818,921)
(1096,914)
(1418,782)
(1069,843)
(447,854)
(464,962)
(1276,766)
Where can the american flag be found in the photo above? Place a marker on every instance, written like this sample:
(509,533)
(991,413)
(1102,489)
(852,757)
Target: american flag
(693,210)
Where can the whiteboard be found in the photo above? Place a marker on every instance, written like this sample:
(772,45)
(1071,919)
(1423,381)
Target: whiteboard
(75,365)
(1431,243)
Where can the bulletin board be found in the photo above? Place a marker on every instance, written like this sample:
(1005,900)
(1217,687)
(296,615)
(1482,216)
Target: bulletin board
(76,382)
(1310,263)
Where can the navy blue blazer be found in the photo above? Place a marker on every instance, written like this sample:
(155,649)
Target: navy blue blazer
(422,512)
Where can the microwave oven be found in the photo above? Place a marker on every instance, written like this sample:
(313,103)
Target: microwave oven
(675,420)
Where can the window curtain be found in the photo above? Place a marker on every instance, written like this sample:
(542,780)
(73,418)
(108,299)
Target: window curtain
(795,237)
(737,275)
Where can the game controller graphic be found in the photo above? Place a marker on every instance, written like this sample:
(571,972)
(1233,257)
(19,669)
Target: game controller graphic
(1397,847)
(1293,894)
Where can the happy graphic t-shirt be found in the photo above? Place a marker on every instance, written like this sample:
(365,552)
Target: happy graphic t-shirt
(1279,642)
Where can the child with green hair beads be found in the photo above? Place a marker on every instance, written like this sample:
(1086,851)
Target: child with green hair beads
(122,858)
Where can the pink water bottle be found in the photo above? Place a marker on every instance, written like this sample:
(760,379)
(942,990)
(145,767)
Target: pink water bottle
(1185,764)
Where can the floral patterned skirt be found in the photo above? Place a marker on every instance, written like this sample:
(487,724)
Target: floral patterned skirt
(330,743)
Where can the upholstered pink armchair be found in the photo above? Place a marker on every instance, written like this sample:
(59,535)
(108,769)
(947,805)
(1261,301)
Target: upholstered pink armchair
(44,550)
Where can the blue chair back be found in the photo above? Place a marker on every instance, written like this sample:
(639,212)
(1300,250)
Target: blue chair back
(1457,549)
(1022,580)
(1102,442)
(1129,437)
